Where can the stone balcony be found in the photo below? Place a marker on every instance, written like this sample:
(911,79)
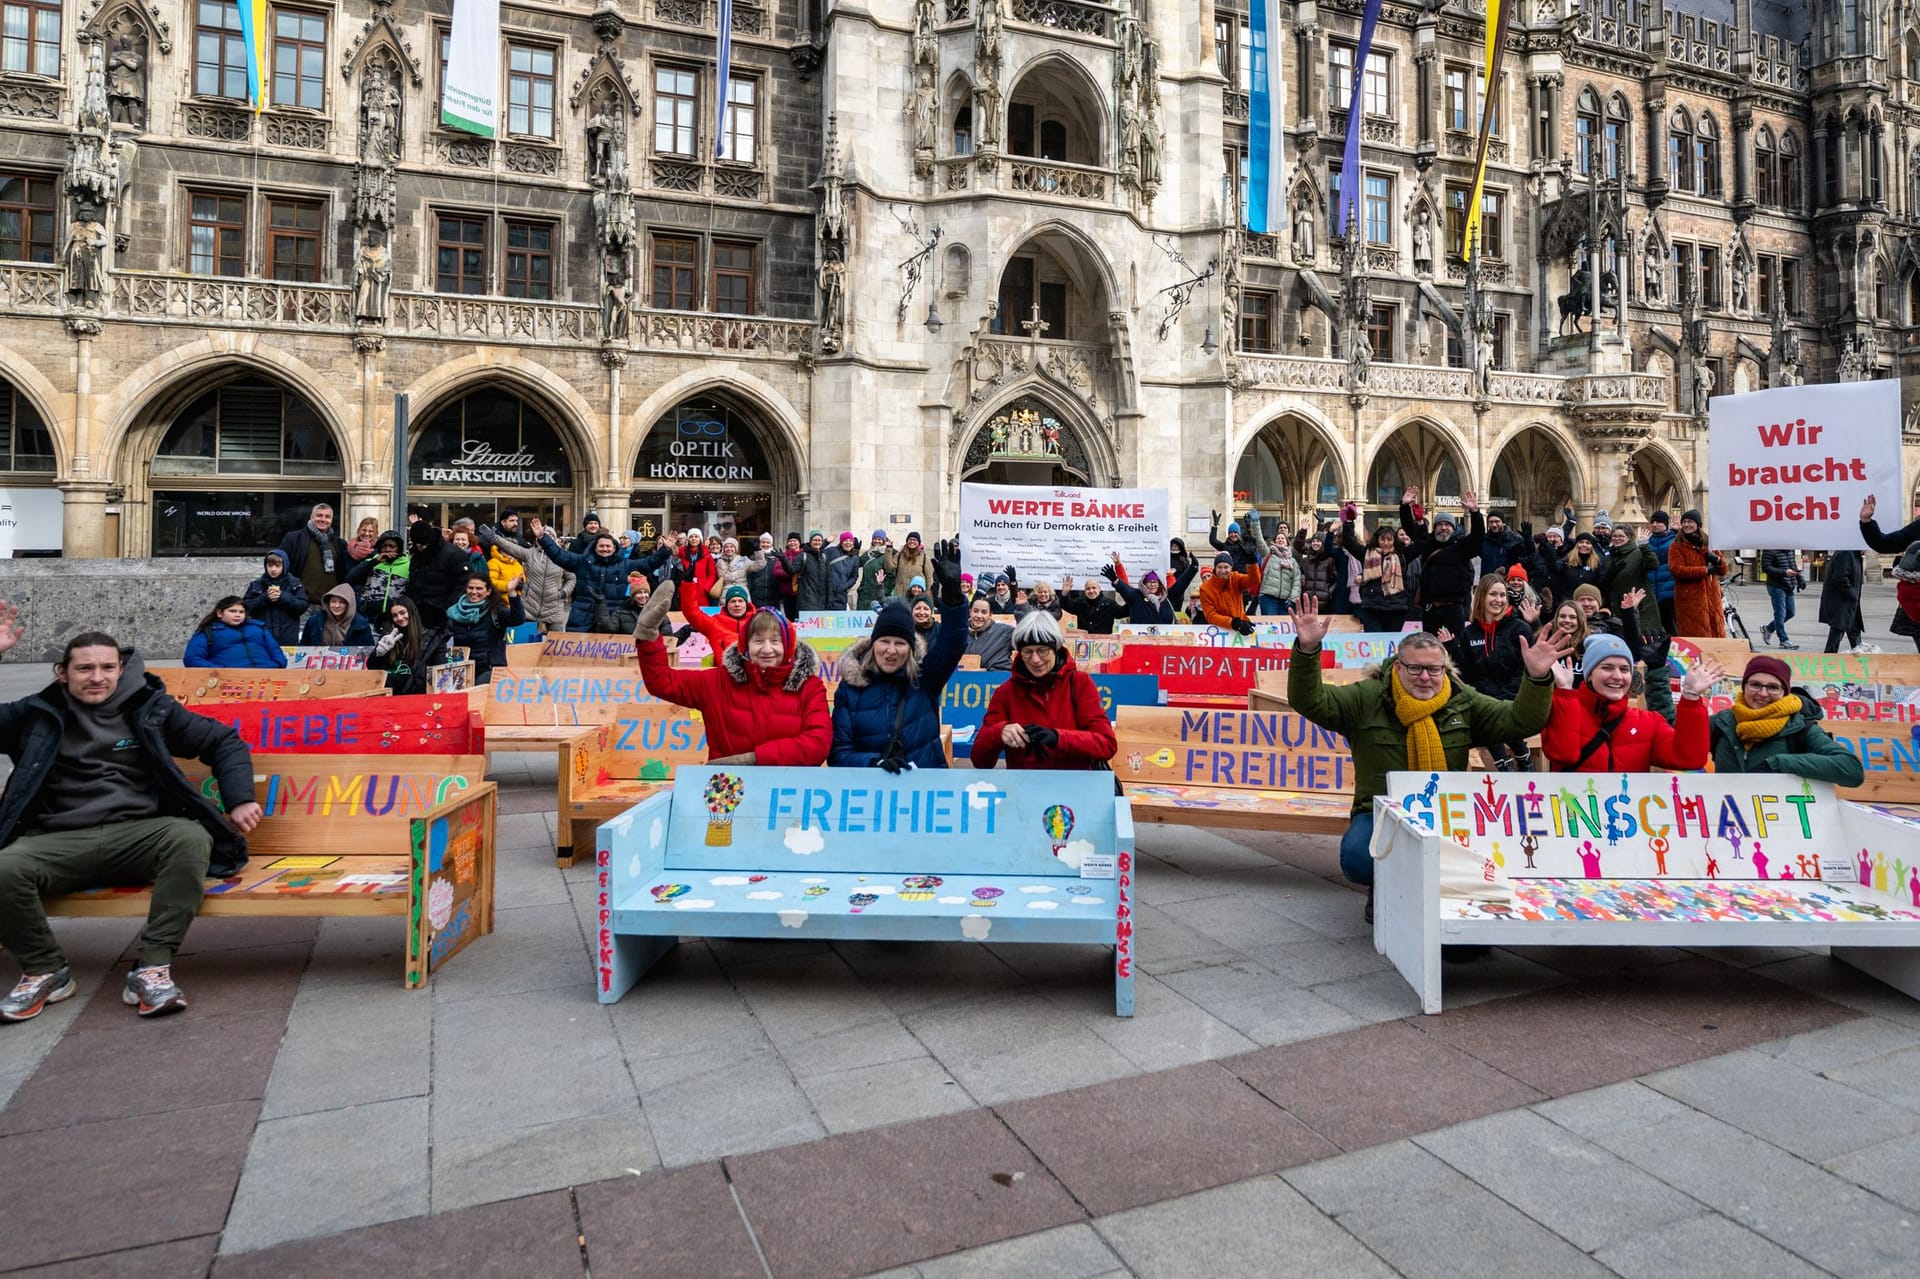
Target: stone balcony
(1434,382)
(1081,17)
(1077,182)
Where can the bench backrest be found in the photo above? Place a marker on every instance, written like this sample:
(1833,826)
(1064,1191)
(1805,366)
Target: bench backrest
(1240,750)
(318,658)
(424,725)
(202,684)
(345,806)
(1199,669)
(562,697)
(803,820)
(1890,752)
(562,649)
(646,743)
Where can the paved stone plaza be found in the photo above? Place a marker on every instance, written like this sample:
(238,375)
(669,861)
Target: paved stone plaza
(1277,1107)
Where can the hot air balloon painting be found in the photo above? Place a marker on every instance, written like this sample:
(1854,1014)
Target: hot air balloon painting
(1058,820)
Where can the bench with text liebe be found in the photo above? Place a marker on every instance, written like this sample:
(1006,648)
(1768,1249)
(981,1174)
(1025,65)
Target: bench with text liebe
(838,853)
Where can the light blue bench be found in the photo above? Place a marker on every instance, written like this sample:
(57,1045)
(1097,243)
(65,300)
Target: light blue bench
(857,854)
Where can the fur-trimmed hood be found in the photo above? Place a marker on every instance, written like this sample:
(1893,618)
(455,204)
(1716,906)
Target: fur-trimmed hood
(858,669)
(802,665)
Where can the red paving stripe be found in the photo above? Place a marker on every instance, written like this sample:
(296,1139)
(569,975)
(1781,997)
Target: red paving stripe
(175,1260)
(666,1225)
(866,1201)
(1151,1137)
(533,1237)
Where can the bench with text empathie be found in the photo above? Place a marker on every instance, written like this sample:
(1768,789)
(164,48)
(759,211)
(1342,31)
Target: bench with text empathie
(409,835)
(1264,770)
(192,686)
(537,707)
(606,770)
(1193,675)
(424,724)
(817,854)
(1640,859)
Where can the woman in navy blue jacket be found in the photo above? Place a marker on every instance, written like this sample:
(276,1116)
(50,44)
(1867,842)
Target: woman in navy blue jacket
(227,638)
(894,678)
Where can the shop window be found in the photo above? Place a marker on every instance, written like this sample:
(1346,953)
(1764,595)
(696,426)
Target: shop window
(248,427)
(702,442)
(489,439)
(25,442)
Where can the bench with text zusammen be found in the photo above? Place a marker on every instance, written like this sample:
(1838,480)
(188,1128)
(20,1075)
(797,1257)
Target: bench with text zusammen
(810,854)
(395,834)
(1641,859)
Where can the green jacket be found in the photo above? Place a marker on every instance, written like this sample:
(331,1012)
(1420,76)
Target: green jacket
(1363,714)
(1802,748)
(873,584)
(1632,568)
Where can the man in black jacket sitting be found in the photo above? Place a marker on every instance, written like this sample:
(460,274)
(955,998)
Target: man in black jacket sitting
(96,798)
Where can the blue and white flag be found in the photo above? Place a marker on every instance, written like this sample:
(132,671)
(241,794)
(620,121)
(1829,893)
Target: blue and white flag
(1266,212)
(726,76)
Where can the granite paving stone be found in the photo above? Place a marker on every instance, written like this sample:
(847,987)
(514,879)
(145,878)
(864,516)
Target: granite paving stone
(1164,945)
(1256,1227)
(1166,1028)
(91,947)
(531,1236)
(1845,1044)
(1720,1007)
(873,1043)
(748,1104)
(1464,1230)
(805,997)
(912,978)
(1890,1170)
(1411,1083)
(1562,1042)
(1387,1173)
(209,935)
(1065,1252)
(65,1200)
(1261,1005)
(1794,1109)
(869,1096)
(1832,980)
(1893,1076)
(1195,850)
(865,1201)
(1238,921)
(1151,1137)
(1015,1045)
(1707,1246)
(533,948)
(1572,1187)
(682,1224)
(181,1257)
(1310,963)
(346,1052)
(521,1161)
(318,1174)
(484,1051)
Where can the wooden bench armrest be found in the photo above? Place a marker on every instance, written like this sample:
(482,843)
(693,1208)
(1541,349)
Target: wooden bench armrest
(451,896)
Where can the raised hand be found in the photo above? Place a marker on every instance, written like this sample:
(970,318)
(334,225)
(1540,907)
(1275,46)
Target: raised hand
(1444,635)
(1701,678)
(1530,611)
(1410,495)
(1215,517)
(1109,572)
(1470,500)
(1867,508)
(11,628)
(1634,598)
(1309,626)
(1563,673)
(1543,652)
(536,526)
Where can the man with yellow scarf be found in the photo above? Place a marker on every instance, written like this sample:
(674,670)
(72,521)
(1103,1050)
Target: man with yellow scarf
(1774,727)
(1414,713)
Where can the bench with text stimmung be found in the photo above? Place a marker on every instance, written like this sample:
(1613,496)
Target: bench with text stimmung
(842,853)
(409,835)
(1640,859)
(1262,770)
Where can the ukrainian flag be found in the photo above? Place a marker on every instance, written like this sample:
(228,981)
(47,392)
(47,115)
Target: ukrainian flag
(253,33)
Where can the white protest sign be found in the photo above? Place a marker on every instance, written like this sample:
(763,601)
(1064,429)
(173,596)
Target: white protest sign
(470,96)
(1049,533)
(1789,467)
(30,520)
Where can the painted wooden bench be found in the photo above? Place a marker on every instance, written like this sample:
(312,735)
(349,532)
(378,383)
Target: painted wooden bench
(1646,859)
(1260,770)
(204,684)
(1269,691)
(605,770)
(568,650)
(425,724)
(410,835)
(537,708)
(856,854)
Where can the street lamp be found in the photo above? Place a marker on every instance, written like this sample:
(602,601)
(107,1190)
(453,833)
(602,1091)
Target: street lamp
(1207,344)
(933,319)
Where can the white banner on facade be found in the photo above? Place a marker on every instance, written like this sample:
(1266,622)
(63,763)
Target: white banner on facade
(30,520)
(470,98)
(1790,466)
(1051,533)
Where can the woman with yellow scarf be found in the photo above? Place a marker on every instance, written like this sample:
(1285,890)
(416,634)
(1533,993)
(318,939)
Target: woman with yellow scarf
(1774,727)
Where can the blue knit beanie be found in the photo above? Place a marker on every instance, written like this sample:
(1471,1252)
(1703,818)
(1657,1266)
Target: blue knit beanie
(1600,647)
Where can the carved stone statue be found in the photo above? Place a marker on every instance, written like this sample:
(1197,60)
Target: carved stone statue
(1742,281)
(1702,386)
(86,256)
(606,127)
(1303,246)
(379,118)
(986,123)
(1359,357)
(925,112)
(986,33)
(372,275)
(1850,362)
(1655,269)
(1423,240)
(613,215)
(1149,157)
(616,298)
(926,49)
(127,78)
(833,305)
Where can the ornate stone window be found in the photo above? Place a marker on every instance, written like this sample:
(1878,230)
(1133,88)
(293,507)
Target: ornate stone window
(216,233)
(1706,155)
(529,259)
(1586,130)
(676,111)
(530,90)
(293,240)
(460,254)
(1765,191)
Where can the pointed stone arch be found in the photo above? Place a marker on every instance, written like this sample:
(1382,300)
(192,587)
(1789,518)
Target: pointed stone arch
(572,416)
(1301,442)
(604,69)
(1069,82)
(380,33)
(786,444)
(1102,462)
(1422,446)
(53,407)
(1541,469)
(101,24)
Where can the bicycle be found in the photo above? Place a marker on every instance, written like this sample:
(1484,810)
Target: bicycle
(1736,628)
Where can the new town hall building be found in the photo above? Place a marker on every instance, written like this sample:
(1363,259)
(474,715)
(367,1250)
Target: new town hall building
(908,236)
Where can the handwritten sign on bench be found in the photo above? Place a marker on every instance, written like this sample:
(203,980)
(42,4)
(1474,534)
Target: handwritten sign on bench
(567,649)
(1207,671)
(1268,632)
(347,801)
(1889,752)
(354,726)
(566,696)
(964,704)
(1258,750)
(328,659)
(192,685)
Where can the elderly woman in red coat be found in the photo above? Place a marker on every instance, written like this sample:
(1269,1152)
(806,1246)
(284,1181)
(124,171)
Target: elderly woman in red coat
(762,699)
(1698,611)
(1594,729)
(1048,713)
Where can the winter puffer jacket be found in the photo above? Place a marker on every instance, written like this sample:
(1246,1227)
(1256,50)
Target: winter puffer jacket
(1094,616)
(1801,748)
(1142,611)
(1244,553)
(381,582)
(242,646)
(31,729)
(1632,568)
(702,572)
(1446,568)
(780,714)
(281,617)
(1317,572)
(722,630)
(1279,573)
(1373,591)
(1363,713)
(1658,543)
(1223,596)
(812,581)
(549,586)
(359,632)
(843,574)
(1571,572)
(905,565)
(736,569)
(1499,553)
(1065,700)
(595,578)
(503,571)
(1638,741)
(485,637)
(867,700)
(438,572)
(1492,663)
(873,581)
(406,679)
(760,586)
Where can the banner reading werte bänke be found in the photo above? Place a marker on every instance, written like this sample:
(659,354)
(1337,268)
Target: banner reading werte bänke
(1790,466)
(470,98)
(1051,533)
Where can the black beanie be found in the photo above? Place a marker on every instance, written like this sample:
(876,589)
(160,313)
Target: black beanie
(1660,517)
(895,620)
(423,534)
(1692,515)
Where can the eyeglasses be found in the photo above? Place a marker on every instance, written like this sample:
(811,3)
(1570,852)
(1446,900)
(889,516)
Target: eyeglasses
(1768,686)
(1429,672)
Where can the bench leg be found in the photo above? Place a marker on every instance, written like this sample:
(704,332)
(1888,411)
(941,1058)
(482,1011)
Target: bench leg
(1122,984)
(1406,910)
(1897,966)
(564,845)
(624,958)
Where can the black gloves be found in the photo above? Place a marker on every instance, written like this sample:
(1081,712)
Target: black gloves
(1215,517)
(1013,579)
(1040,737)
(681,635)
(892,763)
(946,572)
(679,570)
(1242,625)
(1107,571)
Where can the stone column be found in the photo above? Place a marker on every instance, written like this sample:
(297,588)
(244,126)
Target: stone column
(1556,86)
(83,520)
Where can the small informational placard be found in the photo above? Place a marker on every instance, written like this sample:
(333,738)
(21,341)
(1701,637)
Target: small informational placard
(1099,866)
(1790,466)
(1052,533)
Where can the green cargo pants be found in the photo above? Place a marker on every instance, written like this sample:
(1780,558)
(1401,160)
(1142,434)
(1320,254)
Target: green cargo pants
(170,853)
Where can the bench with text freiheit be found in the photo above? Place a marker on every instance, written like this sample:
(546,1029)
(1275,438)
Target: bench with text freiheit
(816,854)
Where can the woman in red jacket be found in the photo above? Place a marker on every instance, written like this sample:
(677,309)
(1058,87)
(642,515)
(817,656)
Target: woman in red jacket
(1048,714)
(696,572)
(1595,730)
(725,627)
(762,700)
